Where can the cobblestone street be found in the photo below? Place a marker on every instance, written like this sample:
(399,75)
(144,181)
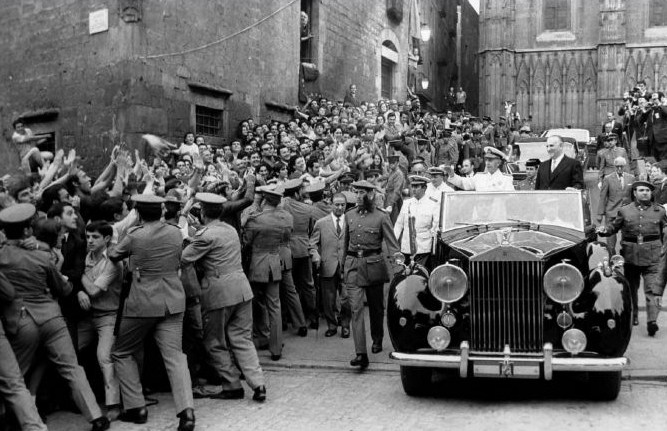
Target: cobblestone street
(346,400)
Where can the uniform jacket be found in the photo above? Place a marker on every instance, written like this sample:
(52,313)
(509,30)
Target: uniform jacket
(303,220)
(568,173)
(436,192)
(634,220)
(484,182)
(426,212)
(612,196)
(660,192)
(526,184)
(366,231)
(36,283)
(320,209)
(606,158)
(216,251)
(154,252)
(328,245)
(7,294)
(446,151)
(268,233)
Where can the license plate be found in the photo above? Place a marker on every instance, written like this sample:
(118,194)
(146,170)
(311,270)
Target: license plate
(507,370)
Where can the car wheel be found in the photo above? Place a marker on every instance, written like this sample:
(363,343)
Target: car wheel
(416,380)
(605,386)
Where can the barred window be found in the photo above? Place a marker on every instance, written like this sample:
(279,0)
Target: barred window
(658,13)
(557,15)
(208,121)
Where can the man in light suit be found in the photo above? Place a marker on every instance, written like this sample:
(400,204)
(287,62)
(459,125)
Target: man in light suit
(327,248)
(226,300)
(615,193)
(560,172)
(615,126)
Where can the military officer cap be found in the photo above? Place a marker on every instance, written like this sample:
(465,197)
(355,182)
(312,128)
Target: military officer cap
(611,136)
(501,118)
(533,163)
(210,199)
(486,118)
(642,184)
(294,184)
(17,213)
(173,196)
(373,172)
(316,187)
(148,200)
(418,180)
(418,160)
(494,153)
(363,184)
(525,129)
(272,189)
(393,158)
(436,170)
(347,178)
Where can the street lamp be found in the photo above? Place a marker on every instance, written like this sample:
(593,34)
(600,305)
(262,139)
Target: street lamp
(425,82)
(425,32)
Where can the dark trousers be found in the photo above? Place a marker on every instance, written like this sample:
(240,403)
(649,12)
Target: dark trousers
(302,271)
(193,338)
(375,299)
(650,274)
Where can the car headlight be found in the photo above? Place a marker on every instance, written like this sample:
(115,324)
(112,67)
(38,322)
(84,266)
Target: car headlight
(448,283)
(563,283)
(438,338)
(574,341)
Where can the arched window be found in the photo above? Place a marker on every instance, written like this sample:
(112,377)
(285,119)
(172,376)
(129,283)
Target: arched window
(657,13)
(557,15)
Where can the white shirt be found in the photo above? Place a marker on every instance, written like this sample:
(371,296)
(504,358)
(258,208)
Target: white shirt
(426,212)
(340,220)
(556,161)
(436,192)
(484,182)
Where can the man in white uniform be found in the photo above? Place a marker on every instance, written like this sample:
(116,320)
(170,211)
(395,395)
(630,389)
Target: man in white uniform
(437,184)
(492,179)
(425,211)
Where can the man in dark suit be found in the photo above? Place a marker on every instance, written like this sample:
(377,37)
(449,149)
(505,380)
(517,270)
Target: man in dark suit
(327,248)
(615,193)
(616,126)
(559,172)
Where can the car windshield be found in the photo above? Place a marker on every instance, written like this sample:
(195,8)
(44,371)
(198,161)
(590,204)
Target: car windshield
(580,135)
(556,208)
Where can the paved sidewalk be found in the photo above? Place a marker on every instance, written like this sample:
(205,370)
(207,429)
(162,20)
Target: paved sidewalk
(647,354)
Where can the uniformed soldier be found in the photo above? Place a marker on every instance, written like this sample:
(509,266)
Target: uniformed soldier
(365,269)
(528,183)
(642,223)
(425,212)
(154,304)
(33,320)
(437,185)
(316,194)
(394,188)
(12,385)
(226,301)
(302,272)
(373,177)
(267,234)
(606,156)
(490,180)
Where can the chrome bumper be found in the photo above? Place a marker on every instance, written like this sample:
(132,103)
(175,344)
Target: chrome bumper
(549,364)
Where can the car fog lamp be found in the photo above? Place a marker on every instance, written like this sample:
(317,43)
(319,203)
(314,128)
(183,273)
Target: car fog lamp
(448,319)
(563,283)
(564,320)
(574,341)
(448,283)
(438,338)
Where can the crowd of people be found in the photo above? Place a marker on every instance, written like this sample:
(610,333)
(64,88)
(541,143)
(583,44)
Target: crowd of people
(211,252)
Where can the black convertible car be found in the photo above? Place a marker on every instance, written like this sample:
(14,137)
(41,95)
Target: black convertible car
(519,289)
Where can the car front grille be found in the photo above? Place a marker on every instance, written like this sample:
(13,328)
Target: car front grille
(506,306)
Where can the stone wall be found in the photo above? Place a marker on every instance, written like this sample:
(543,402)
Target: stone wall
(567,77)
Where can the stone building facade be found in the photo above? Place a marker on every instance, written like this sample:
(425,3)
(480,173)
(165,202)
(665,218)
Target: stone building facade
(568,62)
(102,72)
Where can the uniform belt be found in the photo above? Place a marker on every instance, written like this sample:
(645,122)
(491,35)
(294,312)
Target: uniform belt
(364,253)
(647,238)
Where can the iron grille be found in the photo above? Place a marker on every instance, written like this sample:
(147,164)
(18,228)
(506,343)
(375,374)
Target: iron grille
(208,121)
(506,306)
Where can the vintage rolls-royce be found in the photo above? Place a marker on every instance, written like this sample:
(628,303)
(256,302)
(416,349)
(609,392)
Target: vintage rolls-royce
(518,288)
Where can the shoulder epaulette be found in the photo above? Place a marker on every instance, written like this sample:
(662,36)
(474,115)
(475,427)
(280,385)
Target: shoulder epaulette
(433,199)
(135,228)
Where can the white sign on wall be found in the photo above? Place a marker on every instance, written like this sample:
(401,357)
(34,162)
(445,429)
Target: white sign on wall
(98,21)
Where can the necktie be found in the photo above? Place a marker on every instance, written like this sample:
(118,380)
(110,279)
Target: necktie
(553,165)
(338,228)
(620,178)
